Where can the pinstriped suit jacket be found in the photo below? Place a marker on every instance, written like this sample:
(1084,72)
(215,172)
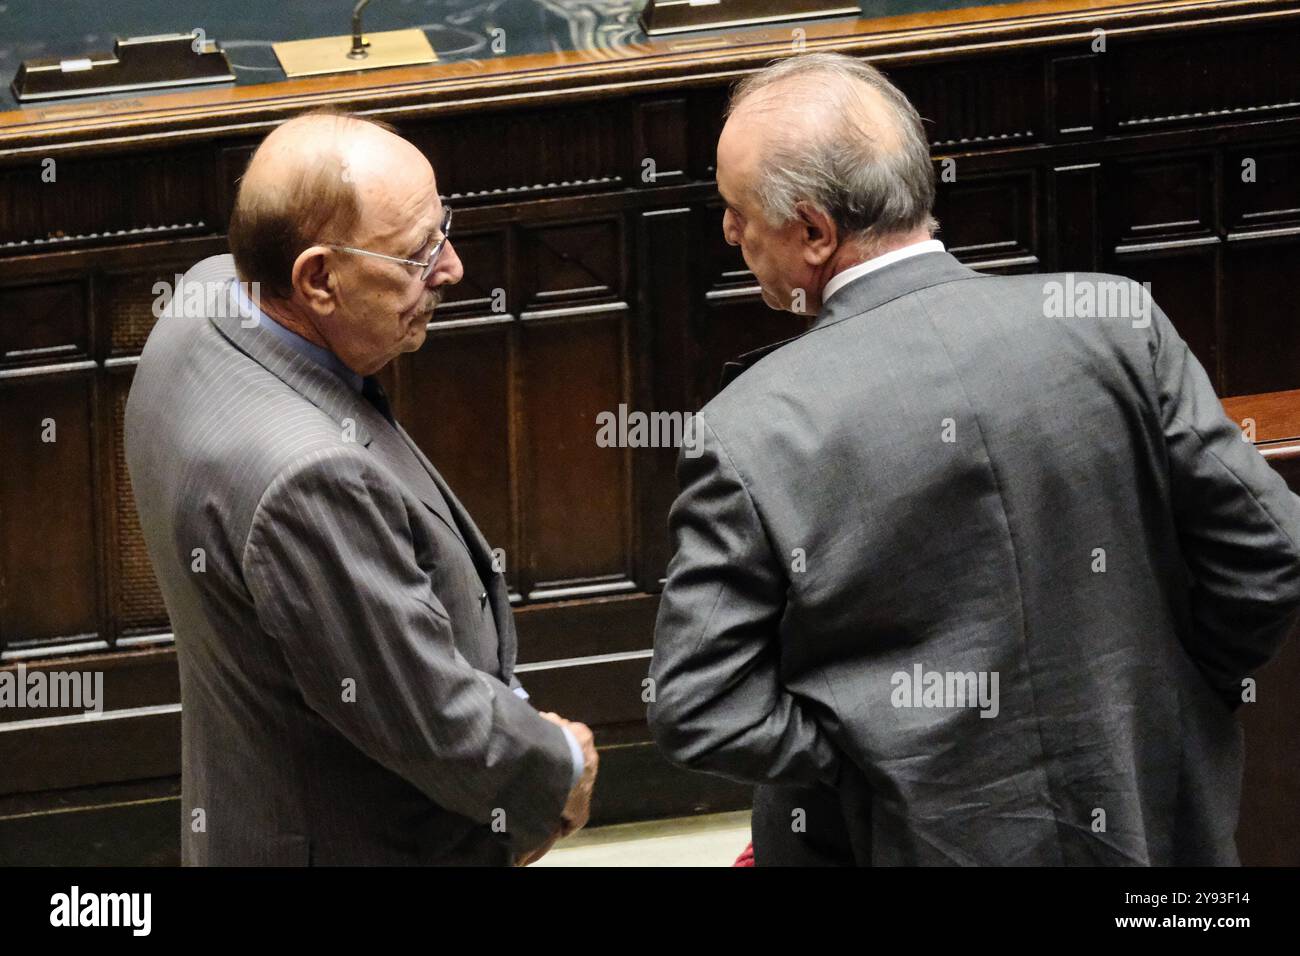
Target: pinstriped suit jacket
(346,649)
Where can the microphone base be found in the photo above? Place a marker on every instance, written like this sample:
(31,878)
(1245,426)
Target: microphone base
(321,56)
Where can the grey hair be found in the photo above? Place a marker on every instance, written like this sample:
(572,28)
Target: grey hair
(868,191)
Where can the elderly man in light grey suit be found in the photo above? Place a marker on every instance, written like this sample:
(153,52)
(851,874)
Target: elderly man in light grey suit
(966,573)
(346,646)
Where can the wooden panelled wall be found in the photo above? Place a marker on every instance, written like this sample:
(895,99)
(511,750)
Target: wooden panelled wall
(588,284)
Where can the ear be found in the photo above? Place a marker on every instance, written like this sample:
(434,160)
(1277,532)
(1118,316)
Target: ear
(818,234)
(314,279)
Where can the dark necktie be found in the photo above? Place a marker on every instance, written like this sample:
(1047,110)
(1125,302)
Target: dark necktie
(375,395)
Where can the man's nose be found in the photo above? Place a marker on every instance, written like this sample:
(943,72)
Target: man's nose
(728,229)
(450,270)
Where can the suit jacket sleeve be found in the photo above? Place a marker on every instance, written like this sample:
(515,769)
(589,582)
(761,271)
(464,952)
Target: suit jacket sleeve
(1238,523)
(719,704)
(331,566)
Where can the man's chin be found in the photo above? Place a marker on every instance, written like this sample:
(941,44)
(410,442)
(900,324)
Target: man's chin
(776,305)
(772,302)
(418,332)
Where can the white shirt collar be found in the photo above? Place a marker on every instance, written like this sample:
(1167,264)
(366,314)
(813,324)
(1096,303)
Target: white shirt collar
(841,279)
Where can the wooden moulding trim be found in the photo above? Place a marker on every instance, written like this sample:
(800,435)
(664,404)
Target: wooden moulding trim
(588,661)
(1276,416)
(67,657)
(144,649)
(426,90)
(63,752)
(1280,451)
(60,721)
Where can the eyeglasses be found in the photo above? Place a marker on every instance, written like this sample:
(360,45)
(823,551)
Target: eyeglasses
(426,268)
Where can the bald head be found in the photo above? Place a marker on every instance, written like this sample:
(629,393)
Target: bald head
(299,145)
(312,179)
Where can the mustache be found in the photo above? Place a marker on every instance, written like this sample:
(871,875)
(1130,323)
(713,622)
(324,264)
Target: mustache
(432,302)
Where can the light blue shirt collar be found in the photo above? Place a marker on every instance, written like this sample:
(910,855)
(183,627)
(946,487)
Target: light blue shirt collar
(322,357)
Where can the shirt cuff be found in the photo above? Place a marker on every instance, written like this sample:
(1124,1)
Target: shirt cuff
(575,751)
(575,748)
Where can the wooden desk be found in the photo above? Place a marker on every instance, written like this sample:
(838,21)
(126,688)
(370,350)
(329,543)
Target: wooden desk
(1276,420)
(1271,792)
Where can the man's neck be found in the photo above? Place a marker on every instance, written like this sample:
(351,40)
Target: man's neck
(282,312)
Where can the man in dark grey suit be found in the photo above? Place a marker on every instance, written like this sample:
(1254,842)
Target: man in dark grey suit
(345,641)
(973,571)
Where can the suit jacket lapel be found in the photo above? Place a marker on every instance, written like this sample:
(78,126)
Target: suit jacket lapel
(404,456)
(731,370)
(337,399)
(318,385)
(480,552)
(459,517)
